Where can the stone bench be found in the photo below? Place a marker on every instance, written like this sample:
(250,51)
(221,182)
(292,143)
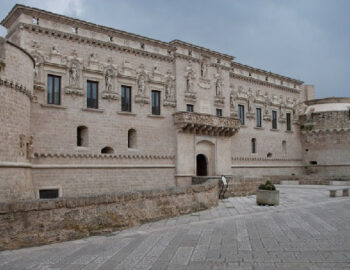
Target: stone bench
(333,192)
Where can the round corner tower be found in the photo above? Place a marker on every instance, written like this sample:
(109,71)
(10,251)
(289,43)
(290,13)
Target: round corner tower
(325,134)
(16,90)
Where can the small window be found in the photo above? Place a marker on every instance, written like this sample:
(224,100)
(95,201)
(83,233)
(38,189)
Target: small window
(126,98)
(266,78)
(269,155)
(110,38)
(35,20)
(218,112)
(289,126)
(132,139)
(156,102)
(142,45)
(82,136)
(53,89)
(189,107)
(107,150)
(92,95)
(250,74)
(284,147)
(48,193)
(281,82)
(189,52)
(169,52)
(253,142)
(258,117)
(75,30)
(218,61)
(241,114)
(274,119)
(313,162)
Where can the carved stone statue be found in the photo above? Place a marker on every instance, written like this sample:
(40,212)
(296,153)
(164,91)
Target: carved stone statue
(267,104)
(204,69)
(108,79)
(250,100)
(169,90)
(141,85)
(218,87)
(54,50)
(73,75)
(36,68)
(281,106)
(233,97)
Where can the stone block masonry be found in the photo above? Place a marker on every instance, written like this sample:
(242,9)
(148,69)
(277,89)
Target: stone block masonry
(40,222)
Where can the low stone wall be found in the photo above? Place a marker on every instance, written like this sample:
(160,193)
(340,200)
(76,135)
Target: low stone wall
(243,186)
(29,223)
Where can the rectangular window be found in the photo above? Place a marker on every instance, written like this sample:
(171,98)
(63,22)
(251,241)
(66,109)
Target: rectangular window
(92,95)
(156,102)
(274,119)
(189,107)
(241,114)
(48,193)
(258,117)
(289,126)
(218,112)
(253,146)
(126,98)
(53,89)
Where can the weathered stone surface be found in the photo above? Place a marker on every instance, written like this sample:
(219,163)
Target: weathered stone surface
(47,221)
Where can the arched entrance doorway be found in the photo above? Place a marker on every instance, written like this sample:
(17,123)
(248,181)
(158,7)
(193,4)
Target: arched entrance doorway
(202,165)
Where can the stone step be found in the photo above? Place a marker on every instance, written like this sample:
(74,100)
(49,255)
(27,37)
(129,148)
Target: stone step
(339,183)
(289,182)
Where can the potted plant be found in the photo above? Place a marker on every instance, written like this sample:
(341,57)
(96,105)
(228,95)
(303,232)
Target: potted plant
(267,194)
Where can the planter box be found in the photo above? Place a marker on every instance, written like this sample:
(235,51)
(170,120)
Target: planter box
(267,197)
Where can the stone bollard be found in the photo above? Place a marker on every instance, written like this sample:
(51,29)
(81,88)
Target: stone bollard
(332,193)
(345,192)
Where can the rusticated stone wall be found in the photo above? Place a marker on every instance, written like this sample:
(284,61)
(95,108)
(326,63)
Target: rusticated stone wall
(38,222)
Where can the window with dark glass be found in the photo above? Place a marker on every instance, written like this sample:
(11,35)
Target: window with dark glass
(53,89)
(274,119)
(241,114)
(82,136)
(126,98)
(48,193)
(289,127)
(156,102)
(189,107)
(218,112)
(258,117)
(92,95)
(253,145)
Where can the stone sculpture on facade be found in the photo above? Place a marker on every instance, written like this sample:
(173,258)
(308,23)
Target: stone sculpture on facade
(281,107)
(73,75)
(108,80)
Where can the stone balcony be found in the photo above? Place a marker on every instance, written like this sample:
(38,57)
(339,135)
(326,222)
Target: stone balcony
(206,124)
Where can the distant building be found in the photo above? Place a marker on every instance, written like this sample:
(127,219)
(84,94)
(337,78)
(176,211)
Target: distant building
(86,109)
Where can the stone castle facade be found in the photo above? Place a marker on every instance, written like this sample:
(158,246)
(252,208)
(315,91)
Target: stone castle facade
(86,110)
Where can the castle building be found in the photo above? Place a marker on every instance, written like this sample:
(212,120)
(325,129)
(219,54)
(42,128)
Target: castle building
(87,109)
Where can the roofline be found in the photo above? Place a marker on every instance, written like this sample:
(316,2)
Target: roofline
(183,43)
(170,45)
(77,22)
(267,72)
(327,100)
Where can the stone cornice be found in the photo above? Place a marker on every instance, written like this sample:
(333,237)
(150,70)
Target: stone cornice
(260,82)
(200,49)
(265,159)
(91,41)
(18,9)
(266,73)
(328,130)
(16,86)
(101,156)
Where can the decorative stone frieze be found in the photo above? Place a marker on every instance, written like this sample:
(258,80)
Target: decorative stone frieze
(16,86)
(206,124)
(74,92)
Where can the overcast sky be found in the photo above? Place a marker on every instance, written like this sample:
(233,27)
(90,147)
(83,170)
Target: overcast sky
(303,39)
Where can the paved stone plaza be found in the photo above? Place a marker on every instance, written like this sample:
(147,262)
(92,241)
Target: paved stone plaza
(308,230)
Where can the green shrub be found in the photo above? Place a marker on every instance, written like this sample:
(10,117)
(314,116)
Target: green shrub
(267,186)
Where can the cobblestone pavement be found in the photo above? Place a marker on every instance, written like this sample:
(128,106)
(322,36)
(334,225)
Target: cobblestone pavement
(308,230)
